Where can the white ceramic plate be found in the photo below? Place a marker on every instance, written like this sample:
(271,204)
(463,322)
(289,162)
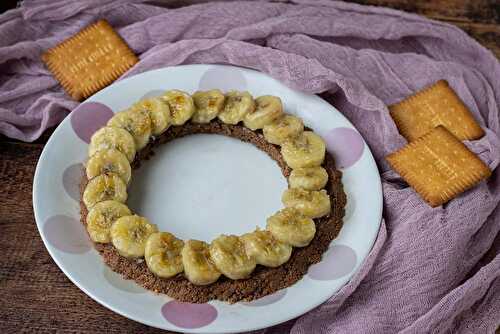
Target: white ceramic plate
(198,187)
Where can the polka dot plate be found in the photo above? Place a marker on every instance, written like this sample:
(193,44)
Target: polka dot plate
(199,187)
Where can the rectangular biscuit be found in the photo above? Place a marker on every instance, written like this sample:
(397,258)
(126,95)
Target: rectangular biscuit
(90,60)
(438,166)
(435,105)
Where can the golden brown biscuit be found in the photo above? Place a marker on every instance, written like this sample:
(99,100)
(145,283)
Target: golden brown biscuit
(90,60)
(435,105)
(438,166)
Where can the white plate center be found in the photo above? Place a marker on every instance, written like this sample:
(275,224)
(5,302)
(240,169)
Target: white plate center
(201,186)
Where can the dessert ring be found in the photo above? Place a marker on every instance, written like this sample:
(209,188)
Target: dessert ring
(314,197)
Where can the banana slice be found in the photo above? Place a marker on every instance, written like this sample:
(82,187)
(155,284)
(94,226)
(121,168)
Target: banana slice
(129,235)
(208,105)
(102,216)
(137,122)
(268,108)
(266,249)
(307,150)
(181,106)
(113,138)
(163,254)
(291,227)
(104,187)
(283,129)
(109,161)
(308,178)
(159,112)
(230,258)
(312,204)
(198,266)
(238,105)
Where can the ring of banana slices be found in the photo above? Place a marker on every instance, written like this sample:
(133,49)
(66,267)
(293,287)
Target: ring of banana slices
(108,170)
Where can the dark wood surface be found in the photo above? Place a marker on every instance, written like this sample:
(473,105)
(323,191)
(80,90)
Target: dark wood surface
(35,296)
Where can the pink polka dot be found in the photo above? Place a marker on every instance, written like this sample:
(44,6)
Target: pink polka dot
(72,177)
(346,145)
(223,78)
(338,261)
(66,234)
(153,93)
(88,117)
(118,282)
(269,299)
(187,315)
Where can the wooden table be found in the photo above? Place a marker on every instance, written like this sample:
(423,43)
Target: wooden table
(35,296)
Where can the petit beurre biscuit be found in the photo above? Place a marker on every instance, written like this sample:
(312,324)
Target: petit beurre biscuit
(90,60)
(438,166)
(435,105)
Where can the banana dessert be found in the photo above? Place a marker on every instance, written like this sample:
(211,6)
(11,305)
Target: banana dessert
(231,267)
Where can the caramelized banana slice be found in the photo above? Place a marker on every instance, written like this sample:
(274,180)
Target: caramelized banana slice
(268,109)
(102,216)
(129,235)
(312,204)
(198,265)
(283,129)
(291,227)
(208,105)
(238,104)
(113,138)
(181,106)
(109,161)
(307,150)
(159,112)
(137,122)
(163,254)
(308,178)
(266,249)
(103,188)
(230,258)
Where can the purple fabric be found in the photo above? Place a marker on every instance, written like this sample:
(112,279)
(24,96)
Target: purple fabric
(431,270)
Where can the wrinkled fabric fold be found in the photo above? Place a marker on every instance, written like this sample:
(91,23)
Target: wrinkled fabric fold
(430,270)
